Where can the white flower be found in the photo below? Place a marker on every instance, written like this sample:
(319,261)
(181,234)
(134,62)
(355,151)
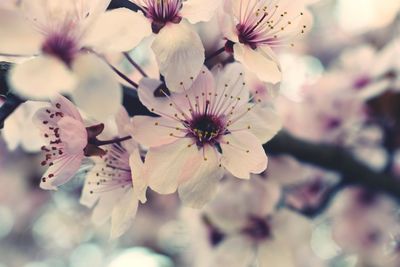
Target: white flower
(115,184)
(254,27)
(254,231)
(58,34)
(210,126)
(178,48)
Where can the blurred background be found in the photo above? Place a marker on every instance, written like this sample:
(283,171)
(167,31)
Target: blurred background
(341,86)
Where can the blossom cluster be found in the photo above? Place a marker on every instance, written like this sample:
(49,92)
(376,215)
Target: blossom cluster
(215,87)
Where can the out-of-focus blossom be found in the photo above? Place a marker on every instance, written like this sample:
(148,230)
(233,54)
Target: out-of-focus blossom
(210,126)
(372,14)
(254,231)
(62,127)
(178,48)
(115,184)
(253,28)
(58,35)
(19,129)
(360,223)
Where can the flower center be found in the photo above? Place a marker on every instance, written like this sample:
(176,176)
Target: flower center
(61,46)
(257,228)
(161,12)
(206,129)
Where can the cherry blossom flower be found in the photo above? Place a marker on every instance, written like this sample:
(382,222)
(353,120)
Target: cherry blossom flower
(254,231)
(62,127)
(178,48)
(253,28)
(210,126)
(59,34)
(115,184)
(361,224)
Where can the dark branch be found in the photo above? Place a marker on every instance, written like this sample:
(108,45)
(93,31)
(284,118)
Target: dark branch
(333,158)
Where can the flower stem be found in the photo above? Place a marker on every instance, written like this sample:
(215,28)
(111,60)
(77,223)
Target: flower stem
(216,53)
(123,76)
(128,57)
(112,141)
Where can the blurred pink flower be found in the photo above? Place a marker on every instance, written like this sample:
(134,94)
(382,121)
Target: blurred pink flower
(210,126)
(62,127)
(253,28)
(58,34)
(254,230)
(115,184)
(361,224)
(178,48)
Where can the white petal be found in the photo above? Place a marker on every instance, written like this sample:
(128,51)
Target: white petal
(169,165)
(118,30)
(98,93)
(263,122)
(236,251)
(20,130)
(230,82)
(123,214)
(139,180)
(42,77)
(151,132)
(199,10)
(103,210)
(180,55)
(202,185)
(74,135)
(272,253)
(177,103)
(258,62)
(63,171)
(242,154)
(18,35)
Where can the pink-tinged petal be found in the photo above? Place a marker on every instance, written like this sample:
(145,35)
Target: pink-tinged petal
(202,185)
(169,165)
(123,214)
(272,253)
(42,77)
(199,10)
(258,62)
(242,154)
(98,93)
(235,251)
(18,35)
(151,132)
(161,104)
(66,107)
(261,121)
(178,103)
(117,30)
(180,55)
(103,210)
(230,84)
(61,172)
(74,135)
(139,181)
